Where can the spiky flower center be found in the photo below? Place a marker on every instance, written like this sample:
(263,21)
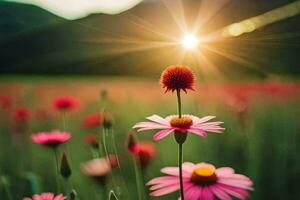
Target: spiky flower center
(182,123)
(177,78)
(204,175)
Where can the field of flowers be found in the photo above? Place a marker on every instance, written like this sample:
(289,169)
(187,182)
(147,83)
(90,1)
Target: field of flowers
(76,137)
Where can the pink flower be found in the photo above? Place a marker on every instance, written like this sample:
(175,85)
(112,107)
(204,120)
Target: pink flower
(202,181)
(46,196)
(52,139)
(187,123)
(66,103)
(99,167)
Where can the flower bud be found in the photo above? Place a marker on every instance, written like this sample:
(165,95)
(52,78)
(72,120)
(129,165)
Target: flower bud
(65,169)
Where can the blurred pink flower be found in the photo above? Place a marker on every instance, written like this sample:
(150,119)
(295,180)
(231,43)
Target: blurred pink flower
(46,196)
(99,167)
(66,103)
(52,139)
(187,123)
(202,181)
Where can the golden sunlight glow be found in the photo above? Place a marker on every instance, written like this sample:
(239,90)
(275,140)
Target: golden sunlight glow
(190,41)
(264,19)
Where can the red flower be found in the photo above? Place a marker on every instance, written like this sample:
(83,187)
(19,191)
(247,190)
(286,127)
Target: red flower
(92,120)
(22,115)
(5,101)
(65,103)
(91,140)
(52,139)
(177,78)
(144,152)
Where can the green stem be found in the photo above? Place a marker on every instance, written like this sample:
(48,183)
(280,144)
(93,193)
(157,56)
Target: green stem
(57,170)
(8,193)
(138,179)
(64,120)
(180,170)
(179,102)
(180,147)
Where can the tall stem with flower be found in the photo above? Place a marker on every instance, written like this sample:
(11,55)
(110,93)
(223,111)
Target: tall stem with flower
(177,78)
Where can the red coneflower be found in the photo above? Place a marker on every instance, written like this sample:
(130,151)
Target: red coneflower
(92,120)
(65,103)
(177,77)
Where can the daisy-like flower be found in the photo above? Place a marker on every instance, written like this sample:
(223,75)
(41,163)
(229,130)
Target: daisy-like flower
(46,196)
(172,123)
(177,77)
(51,139)
(202,181)
(65,103)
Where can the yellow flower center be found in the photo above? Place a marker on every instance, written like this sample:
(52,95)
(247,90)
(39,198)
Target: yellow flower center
(204,175)
(183,122)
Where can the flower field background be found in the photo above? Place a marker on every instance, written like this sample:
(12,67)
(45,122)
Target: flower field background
(261,139)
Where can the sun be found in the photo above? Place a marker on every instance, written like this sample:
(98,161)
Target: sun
(189,41)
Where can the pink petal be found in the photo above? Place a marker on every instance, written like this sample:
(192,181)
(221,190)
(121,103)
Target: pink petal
(188,166)
(244,184)
(204,119)
(198,132)
(174,171)
(206,194)
(224,171)
(158,119)
(165,190)
(163,133)
(192,192)
(161,179)
(236,192)
(150,125)
(164,185)
(219,193)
